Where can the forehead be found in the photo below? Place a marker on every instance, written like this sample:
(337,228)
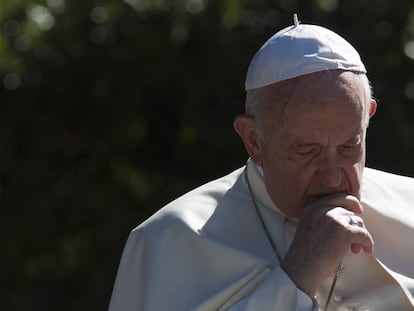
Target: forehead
(326,101)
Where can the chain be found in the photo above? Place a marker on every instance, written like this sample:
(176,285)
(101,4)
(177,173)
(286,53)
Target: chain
(273,245)
(259,214)
(328,300)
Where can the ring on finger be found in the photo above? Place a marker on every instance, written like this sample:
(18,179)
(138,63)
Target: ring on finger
(352,220)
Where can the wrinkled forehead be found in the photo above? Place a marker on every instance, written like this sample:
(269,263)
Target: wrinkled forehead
(307,93)
(319,86)
(327,84)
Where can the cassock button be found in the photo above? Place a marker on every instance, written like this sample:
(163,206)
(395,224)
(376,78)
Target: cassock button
(337,298)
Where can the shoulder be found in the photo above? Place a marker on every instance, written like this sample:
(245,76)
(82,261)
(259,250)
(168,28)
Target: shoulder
(391,193)
(388,200)
(383,183)
(194,208)
(383,176)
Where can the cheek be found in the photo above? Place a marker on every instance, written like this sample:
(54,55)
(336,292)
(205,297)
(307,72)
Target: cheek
(285,176)
(357,164)
(291,178)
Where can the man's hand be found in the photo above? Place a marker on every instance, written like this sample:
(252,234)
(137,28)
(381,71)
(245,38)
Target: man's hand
(324,235)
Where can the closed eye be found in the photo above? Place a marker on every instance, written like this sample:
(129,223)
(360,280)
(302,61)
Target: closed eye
(350,149)
(307,151)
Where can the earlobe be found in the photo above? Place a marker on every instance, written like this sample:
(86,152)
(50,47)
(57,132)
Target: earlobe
(245,127)
(372,108)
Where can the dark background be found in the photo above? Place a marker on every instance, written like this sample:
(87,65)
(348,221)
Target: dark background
(110,109)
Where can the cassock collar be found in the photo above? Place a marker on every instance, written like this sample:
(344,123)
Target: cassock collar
(260,193)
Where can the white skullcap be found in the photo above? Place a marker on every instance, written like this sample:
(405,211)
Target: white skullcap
(299,50)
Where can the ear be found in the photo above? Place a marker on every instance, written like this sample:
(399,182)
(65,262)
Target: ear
(372,107)
(245,127)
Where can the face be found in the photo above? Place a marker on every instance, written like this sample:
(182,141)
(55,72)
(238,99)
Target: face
(315,144)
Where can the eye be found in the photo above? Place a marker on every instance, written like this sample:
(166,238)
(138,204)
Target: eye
(349,149)
(307,151)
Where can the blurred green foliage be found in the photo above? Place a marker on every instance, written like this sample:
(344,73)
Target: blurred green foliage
(109,109)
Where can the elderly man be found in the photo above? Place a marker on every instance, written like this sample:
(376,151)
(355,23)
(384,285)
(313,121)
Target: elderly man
(295,228)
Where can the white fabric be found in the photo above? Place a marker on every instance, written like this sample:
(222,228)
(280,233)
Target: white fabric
(299,50)
(207,251)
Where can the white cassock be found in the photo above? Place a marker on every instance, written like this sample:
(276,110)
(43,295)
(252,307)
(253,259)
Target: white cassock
(207,250)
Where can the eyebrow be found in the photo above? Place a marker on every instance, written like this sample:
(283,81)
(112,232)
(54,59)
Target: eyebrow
(353,140)
(302,145)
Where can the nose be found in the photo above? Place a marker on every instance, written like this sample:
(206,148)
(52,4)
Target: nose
(331,171)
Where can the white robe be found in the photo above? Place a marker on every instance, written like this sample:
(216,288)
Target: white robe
(207,250)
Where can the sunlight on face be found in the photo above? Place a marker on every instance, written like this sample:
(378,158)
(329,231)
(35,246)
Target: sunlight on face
(315,144)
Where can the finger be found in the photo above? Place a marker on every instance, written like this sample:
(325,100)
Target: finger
(347,201)
(351,203)
(354,220)
(356,248)
(360,238)
(345,217)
